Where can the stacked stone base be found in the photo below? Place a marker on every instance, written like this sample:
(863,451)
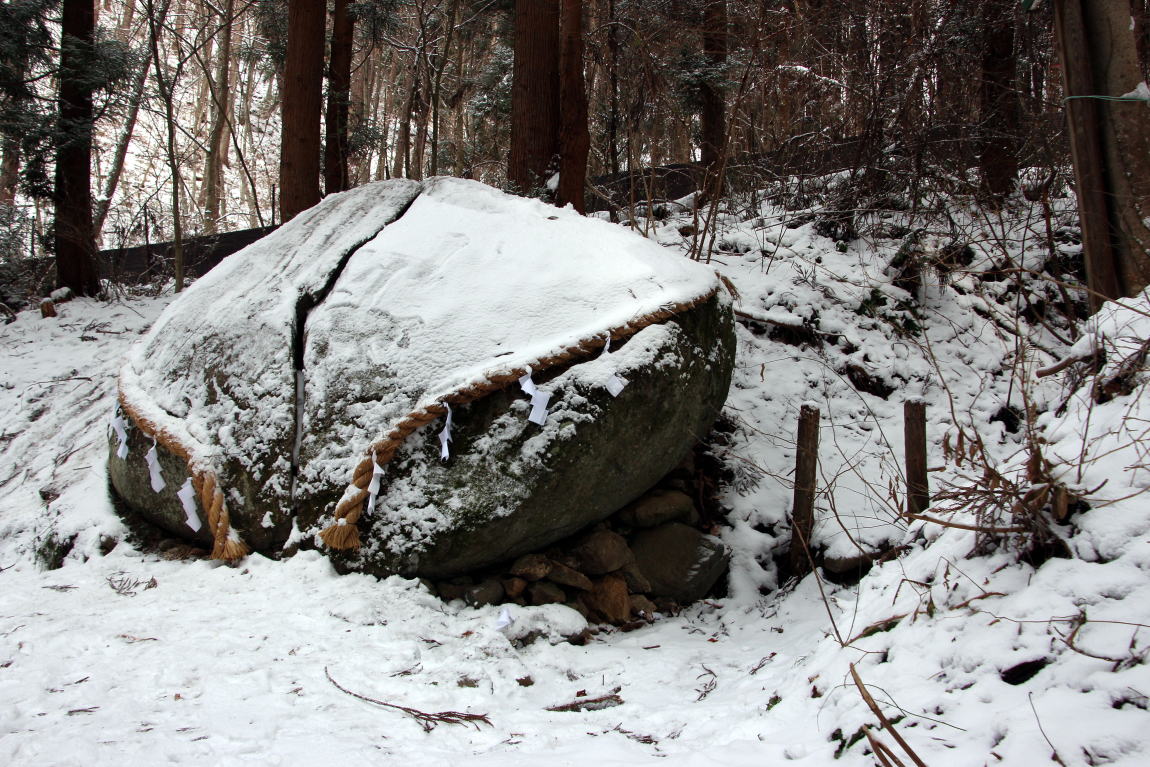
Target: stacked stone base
(653,556)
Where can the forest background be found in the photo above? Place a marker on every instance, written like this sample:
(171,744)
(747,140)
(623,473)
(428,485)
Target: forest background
(162,119)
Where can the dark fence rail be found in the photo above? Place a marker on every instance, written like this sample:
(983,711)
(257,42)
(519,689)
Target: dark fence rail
(142,262)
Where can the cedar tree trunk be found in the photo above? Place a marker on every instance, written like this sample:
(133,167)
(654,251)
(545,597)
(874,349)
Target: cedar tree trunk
(74,239)
(1000,105)
(301,107)
(574,138)
(335,175)
(534,94)
(1110,143)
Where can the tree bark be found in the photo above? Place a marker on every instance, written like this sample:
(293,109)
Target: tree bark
(574,138)
(335,157)
(302,104)
(221,97)
(713,115)
(1000,104)
(74,239)
(112,178)
(613,87)
(9,170)
(164,87)
(1110,143)
(402,161)
(534,95)
(437,89)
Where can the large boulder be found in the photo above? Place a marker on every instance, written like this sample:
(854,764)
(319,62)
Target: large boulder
(275,388)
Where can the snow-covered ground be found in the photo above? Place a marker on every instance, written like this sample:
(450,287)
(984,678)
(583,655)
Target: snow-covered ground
(125,657)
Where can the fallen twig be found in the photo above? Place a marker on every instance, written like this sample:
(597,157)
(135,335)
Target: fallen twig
(879,626)
(426,721)
(1053,751)
(882,751)
(961,526)
(590,704)
(1058,367)
(866,696)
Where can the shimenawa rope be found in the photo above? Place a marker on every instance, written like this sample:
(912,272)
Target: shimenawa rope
(225,544)
(344,534)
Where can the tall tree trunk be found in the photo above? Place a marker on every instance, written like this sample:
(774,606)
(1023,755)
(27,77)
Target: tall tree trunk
(437,89)
(120,154)
(534,94)
(165,87)
(713,114)
(302,104)
(74,239)
(1110,142)
(574,138)
(613,86)
(403,140)
(423,114)
(9,170)
(221,96)
(335,155)
(1140,16)
(1000,104)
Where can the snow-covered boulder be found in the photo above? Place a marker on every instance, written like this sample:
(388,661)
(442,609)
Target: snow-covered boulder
(417,373)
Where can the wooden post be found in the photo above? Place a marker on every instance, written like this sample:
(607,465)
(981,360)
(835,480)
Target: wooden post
(803,513)
(914,439)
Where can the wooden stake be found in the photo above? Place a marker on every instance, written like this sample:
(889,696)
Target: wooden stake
(803,513)
(914,438)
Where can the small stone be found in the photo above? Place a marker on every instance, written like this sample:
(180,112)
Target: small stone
(456,588)
(855,563)
(637,583)
(609,600)
(569,576)
(545,593)
(602,552)
(47,308)
(643,607)
(657,509)
(514,586)
(679,561)
(532,567)
(579,607)
(182,552)
(487,592)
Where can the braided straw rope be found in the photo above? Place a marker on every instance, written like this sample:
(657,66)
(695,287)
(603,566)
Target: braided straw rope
(204,481)
(344,534)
